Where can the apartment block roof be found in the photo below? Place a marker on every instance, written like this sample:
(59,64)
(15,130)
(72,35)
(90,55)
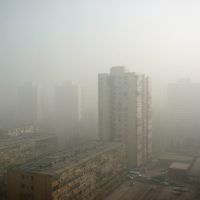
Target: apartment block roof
(179,166)
(171,157)
(62,160)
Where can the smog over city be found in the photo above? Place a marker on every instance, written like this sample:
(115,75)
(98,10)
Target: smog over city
(99,100)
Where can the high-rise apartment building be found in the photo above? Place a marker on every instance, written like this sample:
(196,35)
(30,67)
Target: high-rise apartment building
(125,112)
(31,106)
(67,110)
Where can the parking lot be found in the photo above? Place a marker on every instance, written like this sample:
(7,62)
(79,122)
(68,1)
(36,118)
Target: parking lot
(154,185)
(145,191)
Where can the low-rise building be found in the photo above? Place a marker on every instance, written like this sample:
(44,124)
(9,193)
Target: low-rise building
(178,171)
(20,149)
(88,172)
(17,150)
(169,158)
(194,174)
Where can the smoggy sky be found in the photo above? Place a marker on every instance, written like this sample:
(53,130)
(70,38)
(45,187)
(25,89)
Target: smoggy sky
(52,40)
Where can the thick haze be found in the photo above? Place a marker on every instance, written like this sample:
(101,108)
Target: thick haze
(48,41)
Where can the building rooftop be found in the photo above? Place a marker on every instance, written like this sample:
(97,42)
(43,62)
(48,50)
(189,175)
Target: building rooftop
(195,169)
(62,160)
(23,139)
(116,70)
(181,166)
(171,157)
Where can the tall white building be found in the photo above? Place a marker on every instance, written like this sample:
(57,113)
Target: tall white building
(67,110)
(31,106)
(125,112)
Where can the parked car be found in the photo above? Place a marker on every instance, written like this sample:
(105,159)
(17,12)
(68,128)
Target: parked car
(136,173)
(181,189)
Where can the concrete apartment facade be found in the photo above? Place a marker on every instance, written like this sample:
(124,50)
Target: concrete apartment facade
(86,173)
(124,102)
(21,149)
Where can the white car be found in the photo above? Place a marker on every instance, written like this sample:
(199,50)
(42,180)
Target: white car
(136,173)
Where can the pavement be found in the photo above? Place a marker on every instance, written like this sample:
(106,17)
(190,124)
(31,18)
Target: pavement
(145,191)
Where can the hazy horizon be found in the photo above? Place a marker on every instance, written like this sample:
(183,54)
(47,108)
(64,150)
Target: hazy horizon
(51,41)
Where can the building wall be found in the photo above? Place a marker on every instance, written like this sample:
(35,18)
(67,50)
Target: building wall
(132,131)
(149,132)
(95,178)
(22,152)
(29,186)
(104,105)
(177,174)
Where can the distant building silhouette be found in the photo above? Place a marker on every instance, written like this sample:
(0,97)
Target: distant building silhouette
(125,112)
(88,120)
(27,104)
(183,114)
(67,111)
